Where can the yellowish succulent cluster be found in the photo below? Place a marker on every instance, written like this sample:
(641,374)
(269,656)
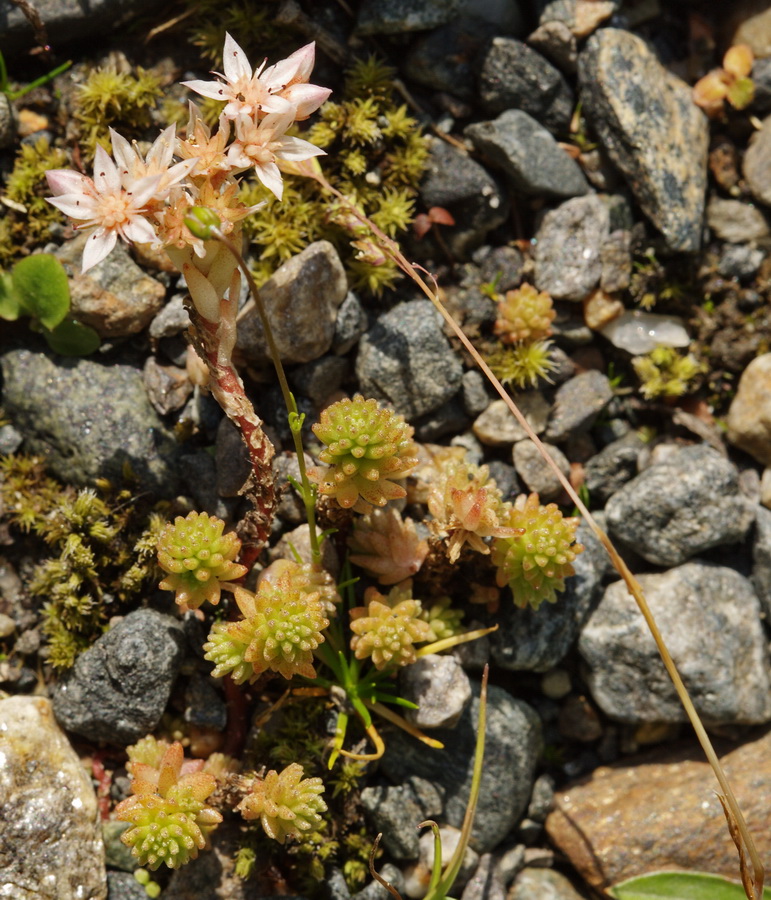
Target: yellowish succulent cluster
(524,314)
(286,804)
(387,628)
(366,448)
(198,558)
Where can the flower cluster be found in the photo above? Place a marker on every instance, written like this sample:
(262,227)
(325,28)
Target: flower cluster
(199,559)
(146,199)
(366,448)
(286,804)
(170,821)
(387,627)
(281,628)
(466,505)
(537,559)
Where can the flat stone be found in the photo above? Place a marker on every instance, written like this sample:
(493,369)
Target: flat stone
(405,360)
(736,222)
(88,419)
(528,155)
(515,76)
(116,298)
(653,132)
(680,507)
(696,605)
(659,812)
(610,469)
(440,688)
(536,473)
(51,835)
(497,427)
(749,417)
(577,404)
(171,320)
(168,387)
(459,184)
(557,43)
(301,300)
(568,244)
(112,694)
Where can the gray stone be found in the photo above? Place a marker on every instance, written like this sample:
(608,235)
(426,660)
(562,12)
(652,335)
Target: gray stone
(204,703)
(528,155)
(542,884)
(51,836)
(505,476)
(450,418)
(290,509)
(616,259)
(653,132)
(740,261)
(440,688)
(542,798)
(231,459)
(761,560)
(123,886)
(172,319)
(697,605)
(536,640)
(514,76)
(399,16)
(394,811)
(8,122)
(68,19)
(10,439)
(376,891)
(757,163)
(350,324)
(536,473)
(118,689)
(486,883)
(581,18)
(168,387)
(569,240)
(406,360)
(610,469)
(473,393)
(116,298)
(680,507)
(577,404)
(320,379)
(199,476)
(497,427)
(467,191)
(736,222)
(116,853)
(301,301)
(557,43)
(512,749)
(88,419)
(417,877)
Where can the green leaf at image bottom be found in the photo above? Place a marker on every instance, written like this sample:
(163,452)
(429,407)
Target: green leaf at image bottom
(41,285)
(71,338)
(678,886)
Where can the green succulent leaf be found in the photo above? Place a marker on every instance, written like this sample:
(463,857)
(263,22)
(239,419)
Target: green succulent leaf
(678,886)
(9,301)
(72,338)
(40,283)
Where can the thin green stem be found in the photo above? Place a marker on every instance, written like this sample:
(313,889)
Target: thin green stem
(308,492)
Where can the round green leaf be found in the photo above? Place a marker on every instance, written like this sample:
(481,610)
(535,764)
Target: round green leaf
(71,338)
(678,886)
(40,283)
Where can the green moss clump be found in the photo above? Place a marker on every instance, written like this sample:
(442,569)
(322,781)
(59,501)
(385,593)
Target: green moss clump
(666,373)
(252,23)
(121,100)
(102,552)
(376,155)
(27,222)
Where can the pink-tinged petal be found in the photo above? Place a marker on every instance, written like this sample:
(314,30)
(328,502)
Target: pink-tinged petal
(106,177)
(235,61)
(296,67)
(125,156)
(270,175)
(143,189)
(306,98)
(214,90)
(275,104)
(278,123)
(66,181)
(139,231)
(237,158)
(296,149)
(179,171)
(76,206)
(98,246)
(162,150)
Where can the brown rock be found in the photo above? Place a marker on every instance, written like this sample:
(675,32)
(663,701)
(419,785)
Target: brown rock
(749,418)
(661,812)
(757,163)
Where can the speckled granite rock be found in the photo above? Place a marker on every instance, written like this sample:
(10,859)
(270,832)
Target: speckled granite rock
(646,120)
(397,16)
(659,811)
(88,419)
(68,19)
(51,847)
(710,617)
